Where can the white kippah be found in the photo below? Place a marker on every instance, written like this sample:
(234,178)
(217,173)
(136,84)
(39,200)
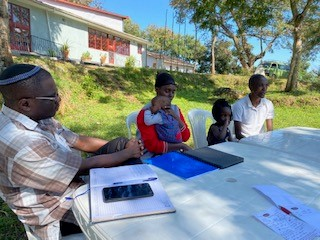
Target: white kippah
(20,77)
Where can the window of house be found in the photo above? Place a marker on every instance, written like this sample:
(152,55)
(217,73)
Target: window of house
(118,44)
(108,42)
(104,40)
(111,43)
(19,25)
(140,48)
(92,38)
(98,40)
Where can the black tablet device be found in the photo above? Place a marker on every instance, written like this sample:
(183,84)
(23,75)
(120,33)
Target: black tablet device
(126,192)
(214,157)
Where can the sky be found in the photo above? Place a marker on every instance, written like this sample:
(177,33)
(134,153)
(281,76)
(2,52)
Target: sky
(160,14)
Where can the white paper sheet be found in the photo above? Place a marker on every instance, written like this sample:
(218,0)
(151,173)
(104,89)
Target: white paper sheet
(288,226)
(283,200)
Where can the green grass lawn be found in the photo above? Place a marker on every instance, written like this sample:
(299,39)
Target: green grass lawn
(96,101)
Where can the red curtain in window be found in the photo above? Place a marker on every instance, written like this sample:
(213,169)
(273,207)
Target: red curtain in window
(104,41)
(107,42)
(98,40)
(111,43)
(92,38)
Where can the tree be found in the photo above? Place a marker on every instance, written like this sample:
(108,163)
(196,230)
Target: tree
(156,36)
(131,28)
(238,20)
(166,42)
(305,33)
(225,62)
(5,51)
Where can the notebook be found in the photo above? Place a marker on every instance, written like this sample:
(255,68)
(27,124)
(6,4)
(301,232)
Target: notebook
(101,178)
(180,165)
(214,157)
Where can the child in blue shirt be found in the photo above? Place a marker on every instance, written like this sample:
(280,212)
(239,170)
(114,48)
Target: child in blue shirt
(164,118)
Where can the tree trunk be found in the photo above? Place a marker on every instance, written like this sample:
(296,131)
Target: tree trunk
(297,20)
(295,62)
(213,58)
(5,52)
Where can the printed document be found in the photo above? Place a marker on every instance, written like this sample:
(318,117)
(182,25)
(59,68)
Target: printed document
(126,175)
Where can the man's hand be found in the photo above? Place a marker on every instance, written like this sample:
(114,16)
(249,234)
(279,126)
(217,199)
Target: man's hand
(136,147)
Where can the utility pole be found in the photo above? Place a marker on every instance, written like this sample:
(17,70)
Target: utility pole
(171,55)
(195,46)
(163,44)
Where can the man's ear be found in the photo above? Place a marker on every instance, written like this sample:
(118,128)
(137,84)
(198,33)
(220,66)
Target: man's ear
(24,104)
(157,90)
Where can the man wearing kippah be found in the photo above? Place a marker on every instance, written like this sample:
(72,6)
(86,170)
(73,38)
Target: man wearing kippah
(164,86)
(40,167)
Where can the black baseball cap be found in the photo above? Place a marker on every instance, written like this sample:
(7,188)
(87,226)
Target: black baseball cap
(163,79)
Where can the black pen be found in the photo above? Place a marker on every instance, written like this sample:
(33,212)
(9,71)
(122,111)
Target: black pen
(150,179)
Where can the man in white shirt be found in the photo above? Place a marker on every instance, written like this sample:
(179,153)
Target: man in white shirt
(252,112)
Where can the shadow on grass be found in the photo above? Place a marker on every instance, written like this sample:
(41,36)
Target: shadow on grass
(295,93)
(105,99)
(136,81)
(116,128)
(315,86)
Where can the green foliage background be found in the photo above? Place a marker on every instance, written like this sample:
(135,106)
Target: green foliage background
(96,101)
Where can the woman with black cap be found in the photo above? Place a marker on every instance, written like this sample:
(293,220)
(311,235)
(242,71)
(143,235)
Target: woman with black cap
(164,86)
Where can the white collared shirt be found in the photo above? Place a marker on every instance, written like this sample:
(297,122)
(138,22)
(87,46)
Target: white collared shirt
(252,118)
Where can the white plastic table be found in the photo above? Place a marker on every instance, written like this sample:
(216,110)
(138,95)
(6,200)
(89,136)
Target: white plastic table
(301,141)
(216,205)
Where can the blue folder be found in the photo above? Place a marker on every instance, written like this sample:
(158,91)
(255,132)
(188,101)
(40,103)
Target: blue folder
(180,164)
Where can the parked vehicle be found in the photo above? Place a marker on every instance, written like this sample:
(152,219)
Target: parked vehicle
(275,69)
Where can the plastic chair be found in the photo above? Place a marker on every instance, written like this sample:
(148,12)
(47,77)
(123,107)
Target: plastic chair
(131,120)
(232,129)
(198,122)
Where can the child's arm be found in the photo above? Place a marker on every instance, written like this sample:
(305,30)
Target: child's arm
(151,119)
(222,134)
(231,138)
(172,113)
(212,134)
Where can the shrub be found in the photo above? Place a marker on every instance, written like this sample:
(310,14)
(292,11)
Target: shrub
(130,62)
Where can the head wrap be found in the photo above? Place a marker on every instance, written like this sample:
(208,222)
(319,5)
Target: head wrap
(23,71)
(163,79)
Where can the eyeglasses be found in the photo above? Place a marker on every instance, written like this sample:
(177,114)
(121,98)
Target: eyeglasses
(48,98)
(56,98)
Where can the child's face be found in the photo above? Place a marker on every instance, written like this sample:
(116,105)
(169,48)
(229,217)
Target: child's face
(166,104)
(160,103)
(156,105)
(225,115)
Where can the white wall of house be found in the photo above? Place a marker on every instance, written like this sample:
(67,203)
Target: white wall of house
(152,62)
(50,26)
(140,59)
(180,67)
(156,63)
(113,22)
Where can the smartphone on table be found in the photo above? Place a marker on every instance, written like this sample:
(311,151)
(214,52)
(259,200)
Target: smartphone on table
(126,192)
